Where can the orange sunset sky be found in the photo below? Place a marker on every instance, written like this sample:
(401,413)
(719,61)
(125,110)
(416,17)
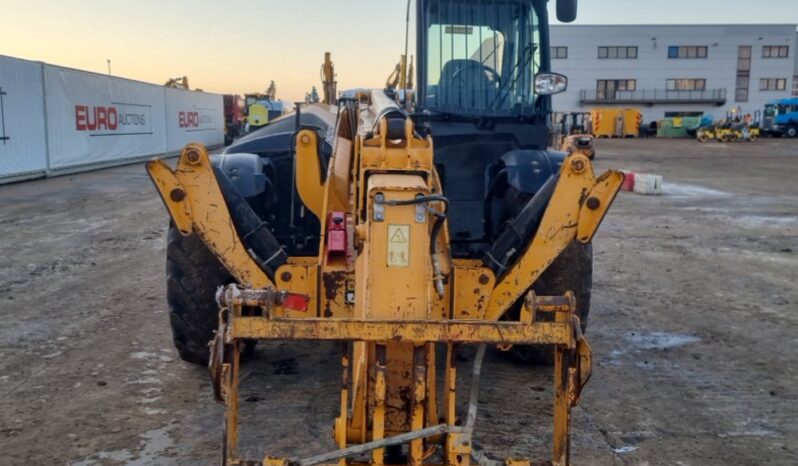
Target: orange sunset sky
(239,46)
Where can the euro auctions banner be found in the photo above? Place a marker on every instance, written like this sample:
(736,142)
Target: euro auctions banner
(193,116)
(93,118)
(22,146)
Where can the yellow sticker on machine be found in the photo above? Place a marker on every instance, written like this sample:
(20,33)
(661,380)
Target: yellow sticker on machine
(398,245)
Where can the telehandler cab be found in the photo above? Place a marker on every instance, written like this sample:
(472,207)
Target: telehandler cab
(401,233)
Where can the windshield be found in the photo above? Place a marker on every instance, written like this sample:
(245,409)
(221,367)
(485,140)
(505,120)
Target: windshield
(481,56)
(770,110)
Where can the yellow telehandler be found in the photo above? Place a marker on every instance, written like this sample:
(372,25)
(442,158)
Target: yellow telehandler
(401,233)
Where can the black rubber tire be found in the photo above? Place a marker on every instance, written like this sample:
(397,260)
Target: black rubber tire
(192,277)
(792,131)
(572,270)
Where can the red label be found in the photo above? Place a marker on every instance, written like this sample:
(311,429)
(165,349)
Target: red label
(295,302)
(188,119)
(95,118)
(336,233)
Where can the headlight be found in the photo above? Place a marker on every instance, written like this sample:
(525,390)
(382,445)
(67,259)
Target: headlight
(550,83)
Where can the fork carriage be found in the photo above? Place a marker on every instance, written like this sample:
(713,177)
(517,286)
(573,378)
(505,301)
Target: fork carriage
(417,339)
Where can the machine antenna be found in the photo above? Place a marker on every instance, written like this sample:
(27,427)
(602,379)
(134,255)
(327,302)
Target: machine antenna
(407,39)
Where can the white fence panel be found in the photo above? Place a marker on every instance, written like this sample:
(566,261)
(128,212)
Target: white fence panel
(95,119)
(23,147)
(193,116)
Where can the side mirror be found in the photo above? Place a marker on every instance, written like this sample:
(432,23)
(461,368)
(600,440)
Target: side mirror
(566,10)
(550,83)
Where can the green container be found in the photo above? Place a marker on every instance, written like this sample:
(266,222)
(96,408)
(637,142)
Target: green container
(681,128)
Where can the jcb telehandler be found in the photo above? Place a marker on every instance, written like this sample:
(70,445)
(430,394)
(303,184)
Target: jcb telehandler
(402,234)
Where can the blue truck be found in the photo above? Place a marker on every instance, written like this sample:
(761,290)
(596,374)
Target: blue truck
(781,118)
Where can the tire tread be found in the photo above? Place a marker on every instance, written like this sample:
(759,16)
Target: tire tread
(192,275)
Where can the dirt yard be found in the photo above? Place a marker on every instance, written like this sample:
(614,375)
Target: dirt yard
(694,329)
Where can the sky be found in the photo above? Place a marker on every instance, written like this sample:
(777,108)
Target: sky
(235,46)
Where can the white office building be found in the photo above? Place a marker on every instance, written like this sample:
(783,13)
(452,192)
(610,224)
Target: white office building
(675,70)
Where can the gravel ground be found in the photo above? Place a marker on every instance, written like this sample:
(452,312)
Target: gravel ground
(693,329)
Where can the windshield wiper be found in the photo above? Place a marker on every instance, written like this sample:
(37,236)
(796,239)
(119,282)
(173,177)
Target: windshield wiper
(523,61)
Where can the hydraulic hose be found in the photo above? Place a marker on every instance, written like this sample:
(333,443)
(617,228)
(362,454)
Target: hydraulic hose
(487,206)
(254,232)
(518,232)
(440,218)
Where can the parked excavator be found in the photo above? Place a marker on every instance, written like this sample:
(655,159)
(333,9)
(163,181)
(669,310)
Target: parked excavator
(328,83)
(178,83)
(404,234)
(401,77)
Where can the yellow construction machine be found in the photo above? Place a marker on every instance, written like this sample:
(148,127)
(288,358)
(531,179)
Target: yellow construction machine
(403,234)
(178,83)
(328,82)
(402,75)
(260,108)
(573,134)
(728,132)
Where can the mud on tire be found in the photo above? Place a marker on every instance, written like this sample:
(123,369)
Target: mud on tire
(572,270)
(192,276)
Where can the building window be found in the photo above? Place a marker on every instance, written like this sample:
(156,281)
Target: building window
(743,73)
(772,84)
(795,85)
(559,52)
(607,89)
(741,90)
(744,58)
(687,51)
(775,51)
(686,84)
(617,52)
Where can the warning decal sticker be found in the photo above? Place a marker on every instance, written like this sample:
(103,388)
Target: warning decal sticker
(398,245)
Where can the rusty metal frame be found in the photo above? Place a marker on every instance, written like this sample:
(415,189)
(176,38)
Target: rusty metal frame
(572,366)
(418,331)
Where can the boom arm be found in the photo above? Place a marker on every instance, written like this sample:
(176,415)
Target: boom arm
(196,204)
(329,84)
